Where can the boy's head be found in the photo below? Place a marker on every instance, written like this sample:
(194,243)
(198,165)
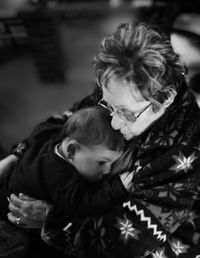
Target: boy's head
(90,143)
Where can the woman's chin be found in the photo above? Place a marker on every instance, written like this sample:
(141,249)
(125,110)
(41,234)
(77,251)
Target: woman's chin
(127,136)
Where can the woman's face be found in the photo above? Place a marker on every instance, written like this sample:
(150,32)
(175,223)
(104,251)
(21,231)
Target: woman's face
(123,96)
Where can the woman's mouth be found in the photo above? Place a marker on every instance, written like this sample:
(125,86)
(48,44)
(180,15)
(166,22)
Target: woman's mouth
(123,132)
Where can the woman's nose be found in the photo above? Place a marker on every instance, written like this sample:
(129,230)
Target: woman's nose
(116,122)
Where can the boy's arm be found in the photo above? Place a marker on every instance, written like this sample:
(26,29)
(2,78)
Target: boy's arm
(100,197)
(81,200)
(73,194)
(105,194)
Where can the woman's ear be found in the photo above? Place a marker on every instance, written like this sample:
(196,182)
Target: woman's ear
(170,99)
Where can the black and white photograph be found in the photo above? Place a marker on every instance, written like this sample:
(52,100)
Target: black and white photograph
(99,129)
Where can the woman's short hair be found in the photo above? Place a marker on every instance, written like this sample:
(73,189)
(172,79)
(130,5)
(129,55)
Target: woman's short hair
(139,53)
(92,126)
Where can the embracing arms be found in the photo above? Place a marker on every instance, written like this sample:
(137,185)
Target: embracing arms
(149,221)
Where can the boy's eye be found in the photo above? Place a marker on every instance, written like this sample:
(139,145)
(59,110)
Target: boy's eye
(101,163)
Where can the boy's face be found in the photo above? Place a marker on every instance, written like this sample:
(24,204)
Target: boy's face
(95,161)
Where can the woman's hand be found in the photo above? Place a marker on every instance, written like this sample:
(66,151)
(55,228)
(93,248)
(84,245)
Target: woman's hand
(27,212)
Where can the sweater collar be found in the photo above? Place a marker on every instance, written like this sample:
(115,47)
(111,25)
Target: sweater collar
(167,129)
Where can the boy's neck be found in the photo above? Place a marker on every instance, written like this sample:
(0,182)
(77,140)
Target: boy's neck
(58,151)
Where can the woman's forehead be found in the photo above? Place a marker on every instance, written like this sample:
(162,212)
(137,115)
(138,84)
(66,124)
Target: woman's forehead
(119,92)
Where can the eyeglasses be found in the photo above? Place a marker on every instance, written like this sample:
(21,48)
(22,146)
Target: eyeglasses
(122,113)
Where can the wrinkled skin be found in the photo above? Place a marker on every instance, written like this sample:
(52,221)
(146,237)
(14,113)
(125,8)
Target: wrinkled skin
(31,211)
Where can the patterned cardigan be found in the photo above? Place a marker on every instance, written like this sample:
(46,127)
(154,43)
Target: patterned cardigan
(161,216)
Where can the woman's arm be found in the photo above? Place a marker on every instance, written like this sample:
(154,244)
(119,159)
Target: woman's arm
(33,212)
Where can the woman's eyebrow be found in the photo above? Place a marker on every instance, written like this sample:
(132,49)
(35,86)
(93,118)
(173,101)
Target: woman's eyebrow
(116,106)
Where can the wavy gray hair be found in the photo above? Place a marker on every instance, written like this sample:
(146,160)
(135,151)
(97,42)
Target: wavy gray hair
(139,53)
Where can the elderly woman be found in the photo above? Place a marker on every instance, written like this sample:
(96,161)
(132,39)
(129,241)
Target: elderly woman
(143,88)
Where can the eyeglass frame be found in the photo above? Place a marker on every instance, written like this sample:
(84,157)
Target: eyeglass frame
(121,115)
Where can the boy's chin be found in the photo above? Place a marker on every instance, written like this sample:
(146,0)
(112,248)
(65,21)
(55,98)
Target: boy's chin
(95,178)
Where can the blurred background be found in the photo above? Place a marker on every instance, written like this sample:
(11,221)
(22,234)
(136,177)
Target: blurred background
(47,46)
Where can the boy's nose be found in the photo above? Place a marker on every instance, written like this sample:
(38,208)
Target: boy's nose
(106,170)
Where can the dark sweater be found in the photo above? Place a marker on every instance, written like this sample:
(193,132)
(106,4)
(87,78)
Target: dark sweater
(42,174)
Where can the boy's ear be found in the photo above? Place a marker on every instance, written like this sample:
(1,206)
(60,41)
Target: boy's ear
(170,99)
(72,148)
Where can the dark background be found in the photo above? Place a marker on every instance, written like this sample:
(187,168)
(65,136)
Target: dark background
(46,51)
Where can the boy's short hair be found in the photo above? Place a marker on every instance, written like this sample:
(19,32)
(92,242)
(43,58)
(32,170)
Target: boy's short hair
(92,126)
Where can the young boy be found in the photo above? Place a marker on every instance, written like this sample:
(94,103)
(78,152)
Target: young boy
(62,163)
